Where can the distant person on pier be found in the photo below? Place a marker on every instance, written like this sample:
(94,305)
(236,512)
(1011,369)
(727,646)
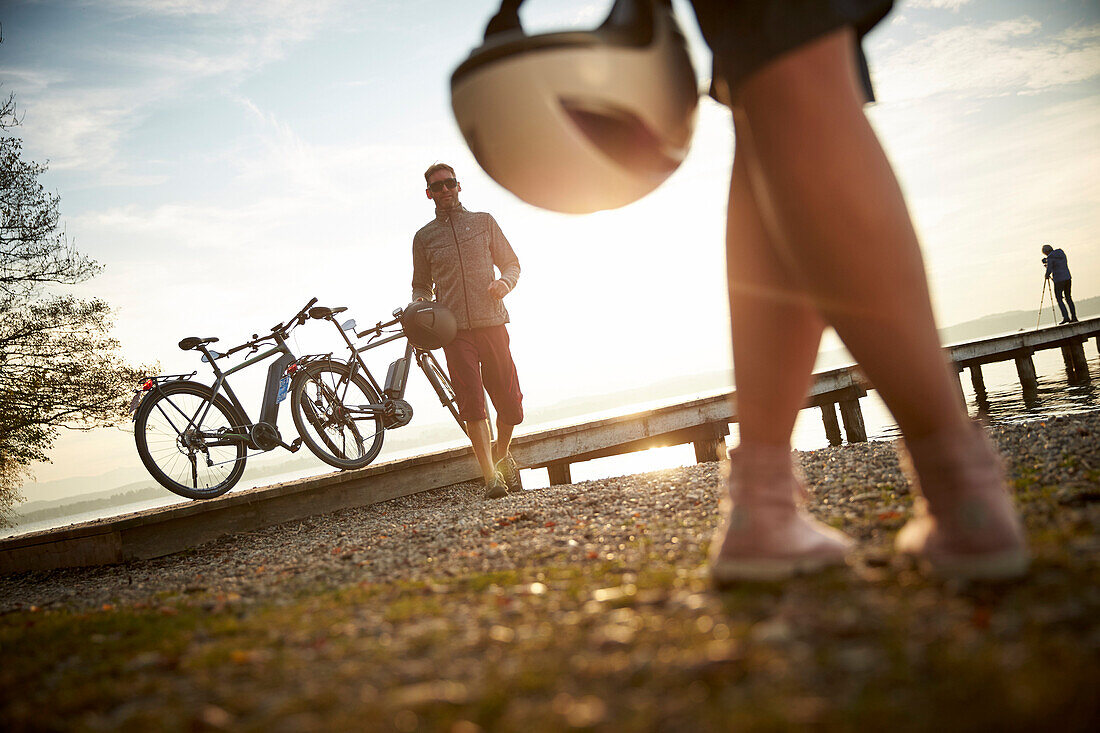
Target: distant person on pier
(454,257)
(1058,273)
(817,234)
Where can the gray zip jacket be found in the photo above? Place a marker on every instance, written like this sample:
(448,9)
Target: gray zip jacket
(453,259)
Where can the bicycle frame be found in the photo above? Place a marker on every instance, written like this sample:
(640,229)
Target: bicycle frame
(397,374)
(269,407)
(212,417)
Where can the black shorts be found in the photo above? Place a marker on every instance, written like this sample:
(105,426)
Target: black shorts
(480,360)
(746,35)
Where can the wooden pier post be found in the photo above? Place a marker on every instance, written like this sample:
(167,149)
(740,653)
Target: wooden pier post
(710,446)
(1071,366)
(1025,368)
(959,391)
(1080,363)
(832,426)
(853,421)
(978,381)
(559,473)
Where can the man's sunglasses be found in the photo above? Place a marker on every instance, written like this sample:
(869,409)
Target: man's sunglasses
(437,186)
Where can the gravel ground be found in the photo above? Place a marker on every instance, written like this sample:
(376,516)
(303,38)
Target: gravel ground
(452,532)
(576,607)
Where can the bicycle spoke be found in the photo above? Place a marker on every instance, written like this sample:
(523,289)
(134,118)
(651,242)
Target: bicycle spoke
(195,460)
(328,412)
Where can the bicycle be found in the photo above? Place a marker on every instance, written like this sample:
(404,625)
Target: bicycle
(340,410)
(193,438)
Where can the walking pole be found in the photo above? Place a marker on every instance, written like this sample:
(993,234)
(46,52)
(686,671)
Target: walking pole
(1042,301)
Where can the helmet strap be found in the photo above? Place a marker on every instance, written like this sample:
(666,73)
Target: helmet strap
(506,19)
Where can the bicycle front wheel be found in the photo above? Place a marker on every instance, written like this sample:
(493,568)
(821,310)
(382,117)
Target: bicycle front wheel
(192,443)
(332,410)
(441,384)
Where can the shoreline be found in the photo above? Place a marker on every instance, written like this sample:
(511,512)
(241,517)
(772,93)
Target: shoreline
(1003,400)
(451,532)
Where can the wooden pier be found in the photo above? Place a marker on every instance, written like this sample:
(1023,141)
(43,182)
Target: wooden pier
(1020,347)
(704,422)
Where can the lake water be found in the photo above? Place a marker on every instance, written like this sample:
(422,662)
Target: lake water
(1005,405)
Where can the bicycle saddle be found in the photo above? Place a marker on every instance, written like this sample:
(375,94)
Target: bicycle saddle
(192,341)
(321,311)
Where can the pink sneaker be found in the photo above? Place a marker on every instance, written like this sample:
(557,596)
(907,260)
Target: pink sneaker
(965,527)
(765,535)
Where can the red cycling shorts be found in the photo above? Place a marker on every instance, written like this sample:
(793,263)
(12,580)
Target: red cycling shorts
(479,361)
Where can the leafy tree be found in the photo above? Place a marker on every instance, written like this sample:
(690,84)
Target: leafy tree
(59,366)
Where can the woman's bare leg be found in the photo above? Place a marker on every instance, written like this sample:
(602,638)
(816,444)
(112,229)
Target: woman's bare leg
(829,200)
(776,332)
(776,328)
(841,218)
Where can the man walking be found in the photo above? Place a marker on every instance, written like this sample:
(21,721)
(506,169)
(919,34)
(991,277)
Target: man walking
(454,256)
(1058,273)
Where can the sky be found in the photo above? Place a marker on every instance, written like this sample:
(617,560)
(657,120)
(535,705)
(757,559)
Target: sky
(227,160)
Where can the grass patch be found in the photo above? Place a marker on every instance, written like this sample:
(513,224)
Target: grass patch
(831,651)
(605,643)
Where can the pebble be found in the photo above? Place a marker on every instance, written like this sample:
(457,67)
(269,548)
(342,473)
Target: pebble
(452,532)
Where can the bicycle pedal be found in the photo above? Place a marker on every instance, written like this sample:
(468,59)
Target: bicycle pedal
(294,446)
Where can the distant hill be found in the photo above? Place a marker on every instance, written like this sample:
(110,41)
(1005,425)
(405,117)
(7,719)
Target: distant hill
(1013,321)
(38,511)
(997,324)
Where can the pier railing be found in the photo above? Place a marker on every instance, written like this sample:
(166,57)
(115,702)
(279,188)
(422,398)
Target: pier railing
(704,422)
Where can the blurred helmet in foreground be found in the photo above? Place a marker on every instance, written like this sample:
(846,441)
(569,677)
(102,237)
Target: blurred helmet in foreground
(579,121)
(428,324)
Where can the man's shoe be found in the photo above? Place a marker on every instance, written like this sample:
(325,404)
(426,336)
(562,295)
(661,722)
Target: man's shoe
(496,488)
(1064,321)
(766,535)
(509,470)
(965,525)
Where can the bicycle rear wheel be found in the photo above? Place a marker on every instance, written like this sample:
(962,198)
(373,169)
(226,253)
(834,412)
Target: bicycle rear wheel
(441,384)
(329,407)
(192,443)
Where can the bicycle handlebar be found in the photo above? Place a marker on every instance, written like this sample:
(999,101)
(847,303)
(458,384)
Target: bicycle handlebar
(377,328)
(297,320)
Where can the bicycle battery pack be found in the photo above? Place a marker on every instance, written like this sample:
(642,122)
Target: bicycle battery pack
(270,410)
(396,376)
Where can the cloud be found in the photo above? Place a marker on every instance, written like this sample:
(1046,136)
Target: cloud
(82,126)
(253,10)
(219,38)
(81,113)
(1082,34)
(998,59)
(549,19)
(952,5)
(26,79)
